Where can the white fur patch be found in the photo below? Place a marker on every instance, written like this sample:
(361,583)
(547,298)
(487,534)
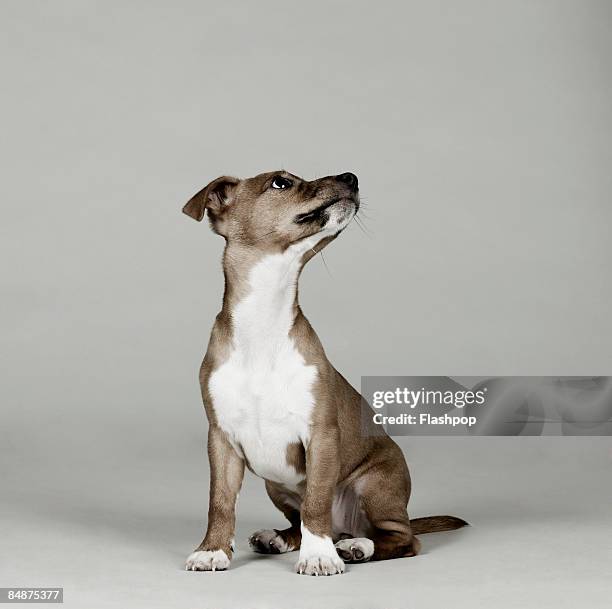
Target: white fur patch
(318,555)
(262,394)
(205,560)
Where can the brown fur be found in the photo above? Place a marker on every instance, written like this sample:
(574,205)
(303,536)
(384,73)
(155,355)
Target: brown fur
(255,222)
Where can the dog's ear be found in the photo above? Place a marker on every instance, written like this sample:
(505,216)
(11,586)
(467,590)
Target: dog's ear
(213,197)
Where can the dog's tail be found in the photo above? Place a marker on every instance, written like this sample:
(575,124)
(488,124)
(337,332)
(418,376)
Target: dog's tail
(435,524)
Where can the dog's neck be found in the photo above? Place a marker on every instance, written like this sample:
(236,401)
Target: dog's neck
(261,295)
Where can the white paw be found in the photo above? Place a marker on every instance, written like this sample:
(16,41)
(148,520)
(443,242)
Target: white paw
(268,541)
(320,565)
(358,549)
(318,555)
(206,560)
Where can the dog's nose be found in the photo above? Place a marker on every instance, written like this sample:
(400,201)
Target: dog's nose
(350,179)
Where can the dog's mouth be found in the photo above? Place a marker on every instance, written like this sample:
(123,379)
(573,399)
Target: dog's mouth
(320,214)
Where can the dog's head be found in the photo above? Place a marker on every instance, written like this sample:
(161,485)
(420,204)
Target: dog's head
(277,209)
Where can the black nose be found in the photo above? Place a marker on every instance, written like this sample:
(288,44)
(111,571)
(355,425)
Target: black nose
(350,179)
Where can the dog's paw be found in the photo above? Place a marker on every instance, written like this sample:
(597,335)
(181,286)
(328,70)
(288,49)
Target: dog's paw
(268,541)
(358,549)
(206,560)
(320,565)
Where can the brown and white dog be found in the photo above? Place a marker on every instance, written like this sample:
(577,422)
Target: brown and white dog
(276,404)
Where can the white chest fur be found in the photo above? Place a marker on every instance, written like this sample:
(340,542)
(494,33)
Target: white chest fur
(262,394)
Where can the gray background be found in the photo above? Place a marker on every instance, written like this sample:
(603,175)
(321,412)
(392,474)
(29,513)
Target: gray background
(481,133)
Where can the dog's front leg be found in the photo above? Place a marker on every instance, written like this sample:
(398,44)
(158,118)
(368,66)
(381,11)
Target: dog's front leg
(226,473)
(318,556)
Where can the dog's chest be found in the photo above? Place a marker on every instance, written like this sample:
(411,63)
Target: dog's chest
(262,394)
(263,409)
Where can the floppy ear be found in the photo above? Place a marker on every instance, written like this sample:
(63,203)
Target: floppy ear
(212,198)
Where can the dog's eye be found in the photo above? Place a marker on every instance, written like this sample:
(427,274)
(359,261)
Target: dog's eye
(281,183)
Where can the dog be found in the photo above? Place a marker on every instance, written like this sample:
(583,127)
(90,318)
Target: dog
(276,405)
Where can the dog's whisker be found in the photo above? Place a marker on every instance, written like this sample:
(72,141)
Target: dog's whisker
(325,264)
(257,239)
(362,228)
(364,214)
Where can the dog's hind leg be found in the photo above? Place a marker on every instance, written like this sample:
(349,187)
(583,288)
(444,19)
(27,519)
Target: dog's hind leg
(275,541)
(383,492)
